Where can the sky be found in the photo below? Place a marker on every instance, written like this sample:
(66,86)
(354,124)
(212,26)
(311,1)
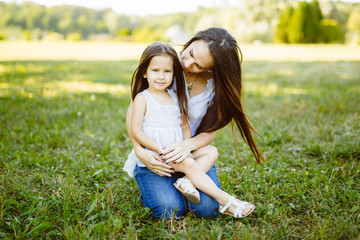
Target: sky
(134,7)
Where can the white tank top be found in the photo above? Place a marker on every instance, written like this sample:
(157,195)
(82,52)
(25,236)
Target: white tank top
(198,104)
(161,123)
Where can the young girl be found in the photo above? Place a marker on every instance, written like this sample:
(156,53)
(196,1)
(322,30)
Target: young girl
(159,118)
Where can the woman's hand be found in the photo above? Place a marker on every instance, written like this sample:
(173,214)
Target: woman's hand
(153,162)
(178,151)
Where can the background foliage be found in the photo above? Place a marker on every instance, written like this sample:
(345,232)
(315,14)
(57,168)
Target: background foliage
(306,24)
(286,21)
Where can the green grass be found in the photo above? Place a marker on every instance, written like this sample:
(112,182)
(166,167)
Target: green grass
(63,143)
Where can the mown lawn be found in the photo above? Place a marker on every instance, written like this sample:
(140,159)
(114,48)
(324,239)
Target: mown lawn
(63,143)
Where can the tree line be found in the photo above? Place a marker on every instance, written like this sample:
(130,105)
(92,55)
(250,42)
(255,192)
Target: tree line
(306,23)
(286,21)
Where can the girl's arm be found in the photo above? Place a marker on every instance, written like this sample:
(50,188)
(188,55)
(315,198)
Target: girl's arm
(138,114)
(149,158)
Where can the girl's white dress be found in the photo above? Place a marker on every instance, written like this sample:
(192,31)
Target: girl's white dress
(161,123)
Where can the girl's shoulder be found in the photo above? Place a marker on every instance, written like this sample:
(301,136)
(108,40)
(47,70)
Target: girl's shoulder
(145,93)
(139,96)
(142,96)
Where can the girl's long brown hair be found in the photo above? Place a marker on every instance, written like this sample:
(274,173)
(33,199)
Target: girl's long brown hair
(226,104)
(139,83)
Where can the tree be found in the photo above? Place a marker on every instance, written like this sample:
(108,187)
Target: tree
(111,22)
(281,32)
(66,23)
(146,33)
(75,36)
(316,10)
(330,32)
(33,14)
(353,23)
(303,25)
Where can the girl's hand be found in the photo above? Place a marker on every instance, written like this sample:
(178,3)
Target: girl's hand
(154,163)
(177,152)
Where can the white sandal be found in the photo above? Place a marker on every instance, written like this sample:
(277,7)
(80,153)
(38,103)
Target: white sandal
(190,194)
(240,206)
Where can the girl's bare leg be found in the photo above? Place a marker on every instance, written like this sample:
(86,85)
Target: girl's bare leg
(204,183)
(205,158)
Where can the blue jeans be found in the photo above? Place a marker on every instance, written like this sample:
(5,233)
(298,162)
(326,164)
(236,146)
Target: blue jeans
(165,201)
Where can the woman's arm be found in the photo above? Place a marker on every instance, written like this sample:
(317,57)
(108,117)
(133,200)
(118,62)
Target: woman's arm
(180,150)
(138,114)
(150,159)
(186,130)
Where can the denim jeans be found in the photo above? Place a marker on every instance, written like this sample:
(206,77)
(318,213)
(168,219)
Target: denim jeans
(165,201)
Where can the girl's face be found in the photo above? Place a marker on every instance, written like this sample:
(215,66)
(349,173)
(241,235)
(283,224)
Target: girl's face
(197,58)
(160,73)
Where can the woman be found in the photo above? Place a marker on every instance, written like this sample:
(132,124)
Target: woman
(211,63)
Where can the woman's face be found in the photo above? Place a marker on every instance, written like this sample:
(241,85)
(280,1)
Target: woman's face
(196,58)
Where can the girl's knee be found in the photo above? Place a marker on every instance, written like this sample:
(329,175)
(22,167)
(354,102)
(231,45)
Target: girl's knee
(187,163)
(210,153)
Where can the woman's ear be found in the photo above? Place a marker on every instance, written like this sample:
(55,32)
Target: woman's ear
(144,76)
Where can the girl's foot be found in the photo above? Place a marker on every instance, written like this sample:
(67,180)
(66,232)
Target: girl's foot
(188,190)
(237,208)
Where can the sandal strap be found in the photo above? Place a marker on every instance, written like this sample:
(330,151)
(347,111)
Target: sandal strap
(229,202)
(191,190)
(188,190)
(240,206)
(181,180)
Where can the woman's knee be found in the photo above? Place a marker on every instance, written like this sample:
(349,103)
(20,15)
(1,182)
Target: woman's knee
(168,208)
(207,208)
(159,194)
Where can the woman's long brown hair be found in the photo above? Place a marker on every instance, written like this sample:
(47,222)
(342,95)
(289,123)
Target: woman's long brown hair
(139,83)
(226,104)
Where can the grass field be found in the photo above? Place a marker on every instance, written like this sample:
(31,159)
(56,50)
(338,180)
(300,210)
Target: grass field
(63,143)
